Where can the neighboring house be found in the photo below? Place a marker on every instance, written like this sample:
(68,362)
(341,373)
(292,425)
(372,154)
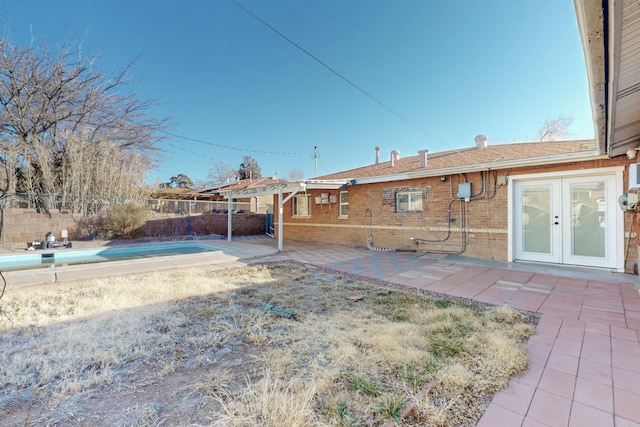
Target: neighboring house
(257,204)
(261,204)
(178,193)
(184,201)
(552,202)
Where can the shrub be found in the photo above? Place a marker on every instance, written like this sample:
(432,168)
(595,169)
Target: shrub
(126,220)
(92,227)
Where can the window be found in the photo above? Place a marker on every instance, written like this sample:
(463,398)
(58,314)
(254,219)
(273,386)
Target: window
(409,201)
(344,204)
(301,205)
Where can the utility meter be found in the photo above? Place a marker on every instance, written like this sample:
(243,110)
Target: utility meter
(628,201)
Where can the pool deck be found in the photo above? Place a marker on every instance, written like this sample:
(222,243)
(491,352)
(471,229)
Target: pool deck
(584,361)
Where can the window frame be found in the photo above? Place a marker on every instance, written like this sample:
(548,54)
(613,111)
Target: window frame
(342,204)
(410,201)
(295,206)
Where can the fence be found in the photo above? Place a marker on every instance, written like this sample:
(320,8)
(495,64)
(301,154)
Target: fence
(99,205)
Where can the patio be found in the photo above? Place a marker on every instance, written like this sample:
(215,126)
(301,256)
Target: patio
(584,360)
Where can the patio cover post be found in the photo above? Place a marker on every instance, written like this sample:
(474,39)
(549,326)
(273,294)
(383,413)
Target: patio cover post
(229,209)
(271,189)
(280,216)
(281,202)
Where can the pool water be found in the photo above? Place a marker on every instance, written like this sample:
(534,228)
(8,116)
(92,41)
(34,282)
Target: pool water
(73,257)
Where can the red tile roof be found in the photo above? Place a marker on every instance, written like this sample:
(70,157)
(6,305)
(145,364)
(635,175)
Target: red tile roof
(470,157)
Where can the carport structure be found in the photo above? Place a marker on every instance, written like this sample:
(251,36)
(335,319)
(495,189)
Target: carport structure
(284,189)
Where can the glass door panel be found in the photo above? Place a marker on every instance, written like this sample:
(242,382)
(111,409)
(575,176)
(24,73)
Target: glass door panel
(590,202)
(536,225)
(587,219)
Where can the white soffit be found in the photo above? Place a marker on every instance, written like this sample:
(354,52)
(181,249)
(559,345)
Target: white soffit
(624,75)
(284,187)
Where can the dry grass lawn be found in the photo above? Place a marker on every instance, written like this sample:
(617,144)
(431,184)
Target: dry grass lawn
(197,347)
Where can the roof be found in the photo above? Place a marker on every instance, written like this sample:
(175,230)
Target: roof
(248,183)
(476,158)
(275,186)
(490,157)
(610,32)
(177,193)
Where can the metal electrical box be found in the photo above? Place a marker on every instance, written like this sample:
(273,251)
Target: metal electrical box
(464,190)
(628,201)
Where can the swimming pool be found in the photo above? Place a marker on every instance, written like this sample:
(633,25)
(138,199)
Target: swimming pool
(72,257)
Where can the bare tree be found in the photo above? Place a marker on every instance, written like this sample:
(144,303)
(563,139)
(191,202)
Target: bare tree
(221,174)
(92,174)
(555,129)
(60,116)
(295,174)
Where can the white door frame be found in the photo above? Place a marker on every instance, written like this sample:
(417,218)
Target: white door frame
(617,171)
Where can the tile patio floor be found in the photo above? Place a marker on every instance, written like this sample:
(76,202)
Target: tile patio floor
(585,358)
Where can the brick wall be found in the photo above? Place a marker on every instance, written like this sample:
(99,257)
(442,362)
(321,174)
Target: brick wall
(372,211)
(25,225)
(205,224)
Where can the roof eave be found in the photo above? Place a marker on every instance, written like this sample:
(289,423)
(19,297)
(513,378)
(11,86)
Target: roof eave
(508,164)
(591,25)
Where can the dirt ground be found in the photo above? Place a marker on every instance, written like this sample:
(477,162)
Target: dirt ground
(202,347)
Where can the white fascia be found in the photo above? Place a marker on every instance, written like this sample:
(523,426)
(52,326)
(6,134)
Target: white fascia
(539,161)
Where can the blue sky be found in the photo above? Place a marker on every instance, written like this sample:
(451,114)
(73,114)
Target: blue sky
(443,71)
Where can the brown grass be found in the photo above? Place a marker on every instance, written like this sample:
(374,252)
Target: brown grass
(197,347)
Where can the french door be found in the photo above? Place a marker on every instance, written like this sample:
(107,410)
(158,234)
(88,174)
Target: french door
(566,220)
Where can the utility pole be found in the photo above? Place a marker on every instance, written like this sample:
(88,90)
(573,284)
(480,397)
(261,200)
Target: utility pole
(315,157)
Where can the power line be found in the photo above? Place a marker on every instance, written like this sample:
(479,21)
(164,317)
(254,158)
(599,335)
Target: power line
(328,67)
(345,79)
(246,150)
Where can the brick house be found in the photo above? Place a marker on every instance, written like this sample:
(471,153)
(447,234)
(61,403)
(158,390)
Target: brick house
(551,202)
